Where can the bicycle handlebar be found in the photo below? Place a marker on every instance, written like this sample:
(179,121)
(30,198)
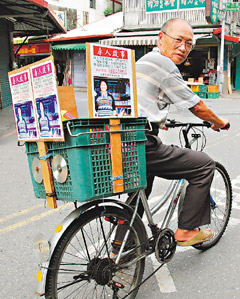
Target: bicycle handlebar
(174,124)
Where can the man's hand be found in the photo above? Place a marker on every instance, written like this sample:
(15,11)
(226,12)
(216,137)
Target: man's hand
(224,123)
(164,128)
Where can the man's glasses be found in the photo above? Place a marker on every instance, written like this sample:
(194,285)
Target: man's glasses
(177,42)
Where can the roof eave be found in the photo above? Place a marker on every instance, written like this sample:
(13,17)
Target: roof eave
(79,37)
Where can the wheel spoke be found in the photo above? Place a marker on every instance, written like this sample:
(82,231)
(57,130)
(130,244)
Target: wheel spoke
(81,266)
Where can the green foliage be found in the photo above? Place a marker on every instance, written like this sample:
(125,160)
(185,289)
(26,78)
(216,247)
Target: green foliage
(107,12)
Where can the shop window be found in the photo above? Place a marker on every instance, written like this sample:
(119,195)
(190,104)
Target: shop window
(92,3)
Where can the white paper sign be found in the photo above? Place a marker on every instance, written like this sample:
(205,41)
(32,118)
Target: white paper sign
(23,106)
(112,82)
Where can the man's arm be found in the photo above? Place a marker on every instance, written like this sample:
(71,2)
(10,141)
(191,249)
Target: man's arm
(202,111)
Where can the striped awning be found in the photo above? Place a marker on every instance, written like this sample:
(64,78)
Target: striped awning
(142,40)
(131,41)
(68,47)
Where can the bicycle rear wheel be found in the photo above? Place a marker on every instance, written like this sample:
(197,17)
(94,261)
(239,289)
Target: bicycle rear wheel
(221,206)
(81,265)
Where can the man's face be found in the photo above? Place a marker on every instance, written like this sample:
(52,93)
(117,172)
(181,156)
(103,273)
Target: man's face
(170,41)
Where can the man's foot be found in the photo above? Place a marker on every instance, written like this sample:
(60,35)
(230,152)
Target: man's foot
(184,235)
(193,237)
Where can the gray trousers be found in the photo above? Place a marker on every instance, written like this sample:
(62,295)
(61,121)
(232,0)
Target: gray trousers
(172,162)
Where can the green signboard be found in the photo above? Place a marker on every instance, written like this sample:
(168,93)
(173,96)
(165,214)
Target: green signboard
(161,5)
(232,6)
(165,5)
(214,11)
(191,4)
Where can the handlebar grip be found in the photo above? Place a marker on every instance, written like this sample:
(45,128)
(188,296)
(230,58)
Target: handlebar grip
(226,127)
(169,125)
(207,123)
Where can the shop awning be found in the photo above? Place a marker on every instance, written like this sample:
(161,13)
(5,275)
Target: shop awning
(131,41)
(68,47)
(227,37)
(234,39)
(31,17)
(142,40)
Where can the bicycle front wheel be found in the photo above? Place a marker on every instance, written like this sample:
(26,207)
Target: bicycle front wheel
(221,205)
(82,264)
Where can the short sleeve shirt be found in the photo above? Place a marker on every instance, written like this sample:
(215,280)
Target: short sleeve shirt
(159,84)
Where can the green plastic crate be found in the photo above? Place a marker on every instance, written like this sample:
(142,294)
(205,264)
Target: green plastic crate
(202,95)
(213,95)
(203,88)
(88,159)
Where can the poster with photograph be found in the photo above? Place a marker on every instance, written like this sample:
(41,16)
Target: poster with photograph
(46,100)
(111,82)
(23,105)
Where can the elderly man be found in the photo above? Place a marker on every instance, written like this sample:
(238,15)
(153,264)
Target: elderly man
(159,84)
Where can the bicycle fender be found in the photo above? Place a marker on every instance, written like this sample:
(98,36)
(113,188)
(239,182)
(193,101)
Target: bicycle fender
(43,267)
(60,229)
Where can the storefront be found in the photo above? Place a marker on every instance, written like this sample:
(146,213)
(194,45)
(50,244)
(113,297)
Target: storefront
(72,61)
(30,53)
(202,61)
(18,19)
(235,62)
(5,62)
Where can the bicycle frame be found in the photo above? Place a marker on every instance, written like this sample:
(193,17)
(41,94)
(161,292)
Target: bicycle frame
(174,193)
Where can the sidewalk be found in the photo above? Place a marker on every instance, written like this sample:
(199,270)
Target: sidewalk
(234,95)
(7,123)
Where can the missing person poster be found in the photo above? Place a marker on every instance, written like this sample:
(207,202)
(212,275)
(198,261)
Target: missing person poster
(35,102)
(23,105)
(111,82)
(46,100)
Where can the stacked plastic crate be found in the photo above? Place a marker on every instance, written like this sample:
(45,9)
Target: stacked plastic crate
(213,92)
(203,89)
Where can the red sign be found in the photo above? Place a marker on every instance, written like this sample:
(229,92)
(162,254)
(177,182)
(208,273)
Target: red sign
(18,79)
(110,52)
(33,49)
(42,70)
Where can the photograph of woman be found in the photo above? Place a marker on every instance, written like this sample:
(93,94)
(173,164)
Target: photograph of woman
(104,102)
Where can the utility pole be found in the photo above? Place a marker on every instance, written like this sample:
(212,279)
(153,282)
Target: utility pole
(220,68)
(221,74)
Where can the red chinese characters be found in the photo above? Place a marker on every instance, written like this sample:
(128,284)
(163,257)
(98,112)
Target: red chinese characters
(42,70)
(109,52)
(19,79)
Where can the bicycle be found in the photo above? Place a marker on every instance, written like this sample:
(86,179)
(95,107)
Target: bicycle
(81,261)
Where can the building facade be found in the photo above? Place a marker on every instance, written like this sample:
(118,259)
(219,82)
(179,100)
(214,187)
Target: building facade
(84,12)
(144,18)
(18,18)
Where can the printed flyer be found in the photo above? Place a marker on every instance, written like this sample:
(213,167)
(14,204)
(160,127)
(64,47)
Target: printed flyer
(23,105)
(46,100)
(111,82)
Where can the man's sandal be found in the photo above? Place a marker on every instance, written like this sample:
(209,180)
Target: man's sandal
(203,236)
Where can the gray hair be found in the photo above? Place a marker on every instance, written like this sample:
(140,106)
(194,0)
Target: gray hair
(169,22)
